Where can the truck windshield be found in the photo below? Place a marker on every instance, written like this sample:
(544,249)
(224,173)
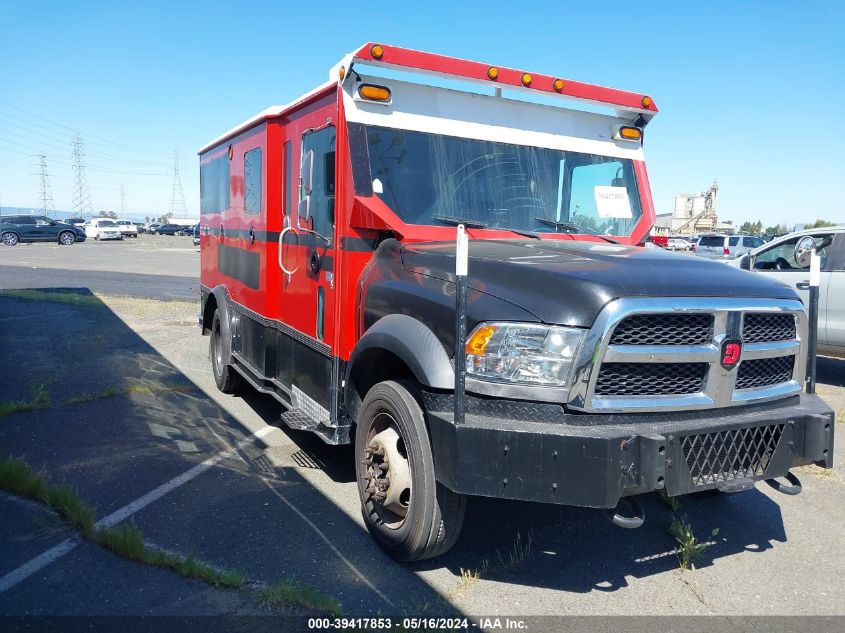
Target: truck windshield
(434,179)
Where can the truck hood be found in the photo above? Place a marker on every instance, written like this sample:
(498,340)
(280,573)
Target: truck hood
(568,282)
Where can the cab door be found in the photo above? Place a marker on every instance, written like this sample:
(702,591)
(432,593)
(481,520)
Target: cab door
(308,251)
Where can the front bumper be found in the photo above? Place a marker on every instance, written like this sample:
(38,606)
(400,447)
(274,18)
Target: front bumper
(537,452)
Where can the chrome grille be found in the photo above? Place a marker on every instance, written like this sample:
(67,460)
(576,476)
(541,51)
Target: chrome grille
(764,372)
(726,455)
(650,379)
(758,327)
(633,361)
(664,329)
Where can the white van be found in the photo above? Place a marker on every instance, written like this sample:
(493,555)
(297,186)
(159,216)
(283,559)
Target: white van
(103,229)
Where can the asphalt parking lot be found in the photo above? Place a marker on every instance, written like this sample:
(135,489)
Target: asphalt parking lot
(134,423)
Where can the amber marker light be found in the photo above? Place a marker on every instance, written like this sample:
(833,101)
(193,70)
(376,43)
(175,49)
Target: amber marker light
(231,152)
(478,341)
(646,101)
(492,73)
(558,85)
(525,79)
(376,51)
(630,133)
(373,93)
(341,73)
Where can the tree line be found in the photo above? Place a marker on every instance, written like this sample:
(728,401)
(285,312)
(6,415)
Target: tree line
(756,228)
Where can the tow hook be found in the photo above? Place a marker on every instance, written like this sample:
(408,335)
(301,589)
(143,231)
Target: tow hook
(794,489)
(628,522)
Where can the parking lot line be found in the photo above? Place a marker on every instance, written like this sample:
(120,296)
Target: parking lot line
(38,563)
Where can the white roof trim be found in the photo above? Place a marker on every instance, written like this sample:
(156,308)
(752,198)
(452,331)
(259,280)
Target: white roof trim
(272,111)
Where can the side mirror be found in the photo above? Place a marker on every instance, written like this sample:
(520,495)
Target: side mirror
(304,208)
(306,171)
(745,262)
(803,250)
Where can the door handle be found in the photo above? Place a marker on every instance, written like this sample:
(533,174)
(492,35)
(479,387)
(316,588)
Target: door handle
(281,249)
(803,285)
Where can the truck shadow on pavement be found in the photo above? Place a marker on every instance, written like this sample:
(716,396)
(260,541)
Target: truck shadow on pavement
(115,419)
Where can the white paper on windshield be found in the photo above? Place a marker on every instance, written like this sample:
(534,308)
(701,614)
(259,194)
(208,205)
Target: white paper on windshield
(377,186)
(612,202)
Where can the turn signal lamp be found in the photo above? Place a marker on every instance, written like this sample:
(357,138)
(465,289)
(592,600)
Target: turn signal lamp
(479,339)
(558,85)
(627,133)
(373,93)
(493,73)
(525,79)
(646,101)
(341,73)
(376,51)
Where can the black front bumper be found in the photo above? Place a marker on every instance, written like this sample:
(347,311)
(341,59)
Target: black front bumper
(536,452)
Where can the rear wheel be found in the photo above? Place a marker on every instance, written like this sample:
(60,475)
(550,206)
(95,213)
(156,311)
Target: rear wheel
(10,239)
(228,380)
(408,513)
(66,238)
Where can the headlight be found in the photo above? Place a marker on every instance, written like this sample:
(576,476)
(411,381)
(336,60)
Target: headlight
(527,353)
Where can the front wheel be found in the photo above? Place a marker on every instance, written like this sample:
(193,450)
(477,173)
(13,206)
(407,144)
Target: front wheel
(407,511)
(10,239)
(66,238)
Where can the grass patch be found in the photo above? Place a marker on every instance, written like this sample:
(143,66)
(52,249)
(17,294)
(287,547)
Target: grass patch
(520,551)
(690,548)
(818,471)
(17,477)
(72,298)
(127,541)
(293,593)
(113,391)
(41,399)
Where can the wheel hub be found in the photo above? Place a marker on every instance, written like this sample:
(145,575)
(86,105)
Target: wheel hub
(387,473)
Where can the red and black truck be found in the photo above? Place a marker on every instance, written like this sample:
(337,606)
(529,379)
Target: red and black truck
(593,370)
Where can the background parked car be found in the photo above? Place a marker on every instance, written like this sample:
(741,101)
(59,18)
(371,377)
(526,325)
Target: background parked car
(37,228)
(186,230)
(720,246)
(679,244)
(776,259)
(77,222)
(127,228)
(103,229)
(196,235)
(168,229)
(152,227)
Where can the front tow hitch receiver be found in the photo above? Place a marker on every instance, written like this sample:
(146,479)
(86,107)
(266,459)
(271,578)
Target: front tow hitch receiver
(793,489)
(630,521)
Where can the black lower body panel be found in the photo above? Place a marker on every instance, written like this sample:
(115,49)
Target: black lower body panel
(585,460)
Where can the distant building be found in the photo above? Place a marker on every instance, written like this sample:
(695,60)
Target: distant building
(693,213)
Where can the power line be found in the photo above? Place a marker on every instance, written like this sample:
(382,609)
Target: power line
(81,199)
(45,193)
(177,195)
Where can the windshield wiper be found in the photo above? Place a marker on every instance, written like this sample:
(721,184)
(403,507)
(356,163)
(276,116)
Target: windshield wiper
(530,234)
(472,224)
(574,228)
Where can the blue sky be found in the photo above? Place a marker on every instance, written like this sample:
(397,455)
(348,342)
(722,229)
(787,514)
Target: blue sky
(748,92)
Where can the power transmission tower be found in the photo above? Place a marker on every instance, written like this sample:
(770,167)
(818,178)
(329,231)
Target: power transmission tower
(122,200)
(81,200)
(177,196)
(45,194)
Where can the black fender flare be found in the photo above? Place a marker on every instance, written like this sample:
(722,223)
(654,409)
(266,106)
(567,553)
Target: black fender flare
(413,343)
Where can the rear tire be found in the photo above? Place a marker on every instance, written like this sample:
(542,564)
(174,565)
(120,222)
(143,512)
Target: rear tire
(11,239)
(421,518)
(227,378)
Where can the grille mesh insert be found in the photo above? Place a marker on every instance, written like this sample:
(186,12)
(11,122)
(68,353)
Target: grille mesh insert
(760,328)
(650,379)
(726,455)
(664,329)
(763,372)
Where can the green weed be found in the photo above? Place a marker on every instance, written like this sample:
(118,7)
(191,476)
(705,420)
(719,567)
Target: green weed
(293,593)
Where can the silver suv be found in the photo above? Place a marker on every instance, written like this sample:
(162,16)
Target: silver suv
(720,246)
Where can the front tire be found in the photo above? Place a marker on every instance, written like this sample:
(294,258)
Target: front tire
(11,239)
(410,514)
(227,378)
(66,238)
